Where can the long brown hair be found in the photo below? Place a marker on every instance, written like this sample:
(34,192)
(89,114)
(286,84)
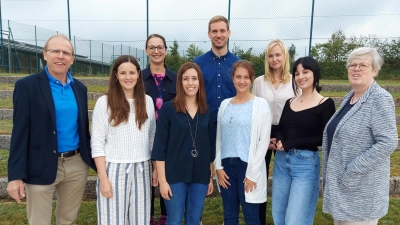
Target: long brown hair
(179,101)
(116,102)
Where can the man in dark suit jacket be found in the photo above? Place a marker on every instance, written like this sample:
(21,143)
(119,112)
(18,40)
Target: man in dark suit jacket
(50,142)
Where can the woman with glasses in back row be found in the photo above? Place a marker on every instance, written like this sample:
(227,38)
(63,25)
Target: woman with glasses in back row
(160,85)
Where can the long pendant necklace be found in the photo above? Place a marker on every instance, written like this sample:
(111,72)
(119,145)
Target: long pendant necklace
(233,114)
(194,151)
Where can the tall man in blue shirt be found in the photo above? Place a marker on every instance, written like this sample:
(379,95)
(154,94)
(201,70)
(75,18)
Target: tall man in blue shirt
(50,142)
(216,65)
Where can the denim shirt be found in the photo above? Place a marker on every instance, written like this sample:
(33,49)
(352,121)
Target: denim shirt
(217,73)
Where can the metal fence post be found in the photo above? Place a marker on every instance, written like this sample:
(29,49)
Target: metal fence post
(36,52)
(90,56)
(75,57)
(102,59)
(9,48)
(1,37)
(311,28)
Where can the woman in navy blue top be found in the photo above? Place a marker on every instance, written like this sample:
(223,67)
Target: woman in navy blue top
(184,148)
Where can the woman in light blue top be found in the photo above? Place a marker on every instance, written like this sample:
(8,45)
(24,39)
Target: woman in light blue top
(243,130)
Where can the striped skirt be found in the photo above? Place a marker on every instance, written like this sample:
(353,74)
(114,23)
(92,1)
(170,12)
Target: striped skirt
(131,187)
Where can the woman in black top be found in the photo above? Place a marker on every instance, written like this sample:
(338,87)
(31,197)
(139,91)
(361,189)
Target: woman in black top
(184,148)
(160,84)
(296,175)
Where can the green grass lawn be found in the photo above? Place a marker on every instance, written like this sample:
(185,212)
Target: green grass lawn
(6,103)
(346,82)
(6,126)
(12,213)
(342,94)
(91,88)
(394,164)
(101,76)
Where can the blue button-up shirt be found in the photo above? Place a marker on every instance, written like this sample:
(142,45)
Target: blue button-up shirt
(217,73)
(66,110)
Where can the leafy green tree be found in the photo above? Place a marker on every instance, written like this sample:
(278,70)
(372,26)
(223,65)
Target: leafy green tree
(336,49)
(173,60)
(292,53)
(192,52)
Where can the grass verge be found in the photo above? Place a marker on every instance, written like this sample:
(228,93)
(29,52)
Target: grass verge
(346,82)
(13,213)
(4,168)
(6,103)
(394,164)
(91,88)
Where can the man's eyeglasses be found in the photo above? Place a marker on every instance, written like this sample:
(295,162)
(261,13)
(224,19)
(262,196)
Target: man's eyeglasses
(152,48)
(57,52)
(362,66)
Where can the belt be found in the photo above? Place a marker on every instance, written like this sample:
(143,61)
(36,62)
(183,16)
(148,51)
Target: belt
(69,154)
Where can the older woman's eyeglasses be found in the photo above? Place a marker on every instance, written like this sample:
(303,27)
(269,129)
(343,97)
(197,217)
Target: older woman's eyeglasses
(361,66)
(152,48)
(57,52)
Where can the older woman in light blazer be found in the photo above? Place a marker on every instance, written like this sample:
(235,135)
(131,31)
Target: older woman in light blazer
(357,144)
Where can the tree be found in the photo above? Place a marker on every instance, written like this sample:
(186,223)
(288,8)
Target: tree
(292,53)
(336,49)
(192,52)
(173,60)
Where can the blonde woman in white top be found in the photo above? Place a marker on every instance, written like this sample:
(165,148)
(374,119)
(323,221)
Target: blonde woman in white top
(123,128)
(276,87)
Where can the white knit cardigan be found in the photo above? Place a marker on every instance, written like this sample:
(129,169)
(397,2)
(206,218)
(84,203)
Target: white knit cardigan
(124,143)
(260,137)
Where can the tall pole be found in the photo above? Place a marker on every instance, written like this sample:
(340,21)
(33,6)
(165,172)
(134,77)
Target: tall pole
(1,40)
(147,17)
(69,22)
(311,28)
(147,24)
(229,17)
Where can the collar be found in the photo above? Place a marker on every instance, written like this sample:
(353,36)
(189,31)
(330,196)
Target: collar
(146,73)
(364,97)
(70,80)
(215,57)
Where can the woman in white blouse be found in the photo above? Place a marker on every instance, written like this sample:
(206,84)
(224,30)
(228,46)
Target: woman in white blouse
(276,87)
(123,128)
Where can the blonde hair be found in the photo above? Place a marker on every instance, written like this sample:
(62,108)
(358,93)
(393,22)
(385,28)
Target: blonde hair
(285,74)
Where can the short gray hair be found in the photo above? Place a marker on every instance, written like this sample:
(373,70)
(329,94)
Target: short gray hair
(374,53)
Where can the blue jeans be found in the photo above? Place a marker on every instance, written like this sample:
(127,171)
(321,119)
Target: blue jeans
(188,198)
(295,187)
(233,197)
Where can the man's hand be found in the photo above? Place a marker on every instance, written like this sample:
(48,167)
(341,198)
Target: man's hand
(16,190)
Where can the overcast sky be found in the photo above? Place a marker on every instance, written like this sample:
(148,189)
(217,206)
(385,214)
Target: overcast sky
(253,22)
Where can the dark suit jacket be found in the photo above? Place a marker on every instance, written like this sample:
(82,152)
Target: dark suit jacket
(33,149)
(168,85)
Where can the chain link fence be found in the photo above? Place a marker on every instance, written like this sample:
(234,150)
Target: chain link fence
(112,28)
